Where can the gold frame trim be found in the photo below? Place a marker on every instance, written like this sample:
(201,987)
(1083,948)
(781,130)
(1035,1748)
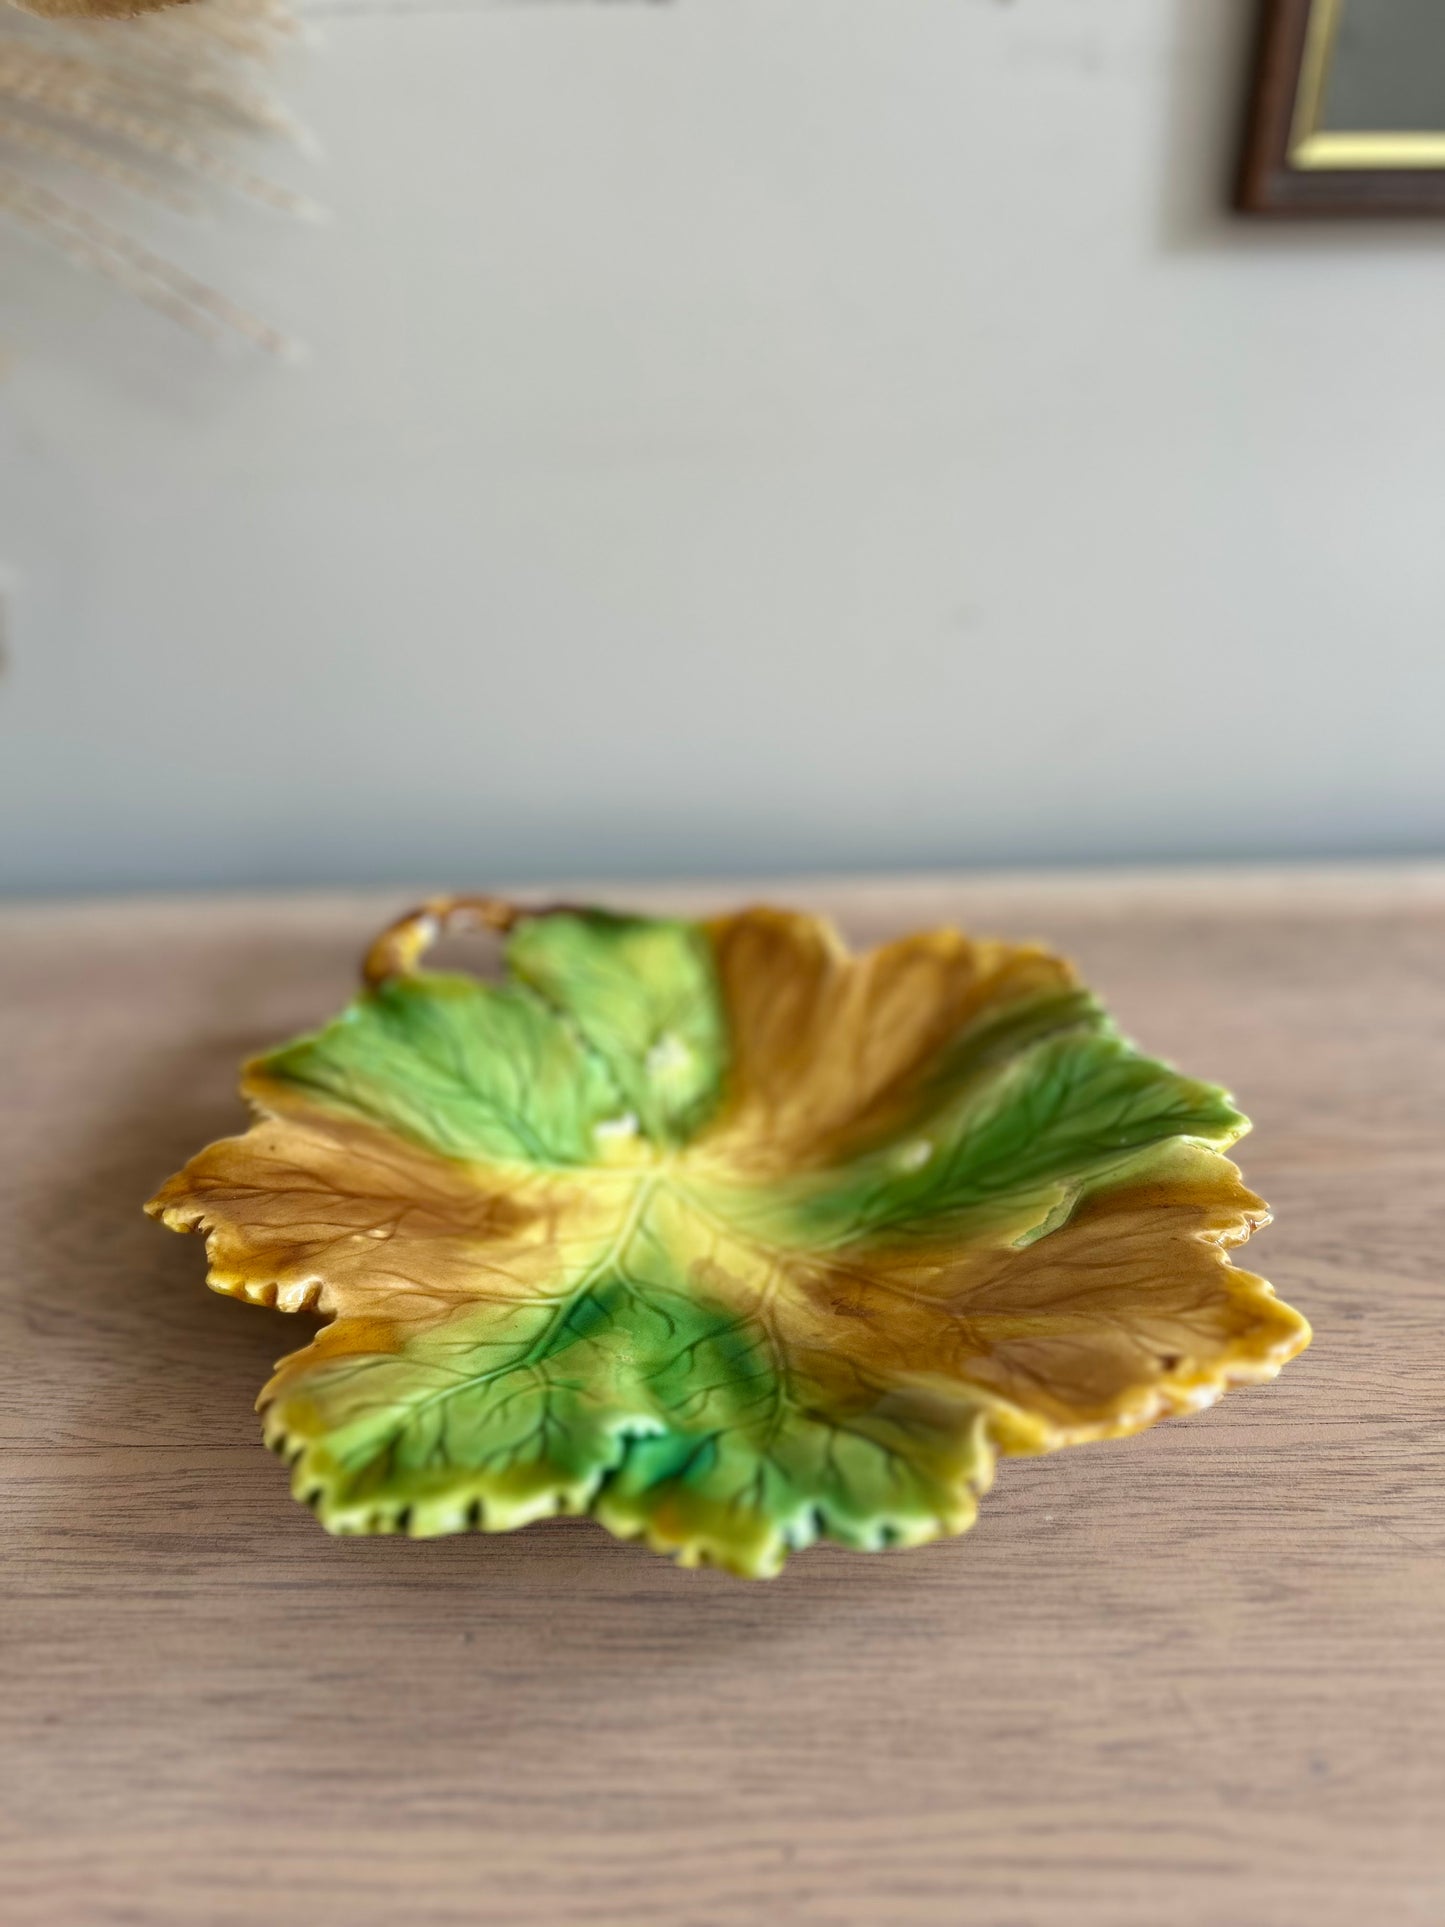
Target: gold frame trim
(1316,148)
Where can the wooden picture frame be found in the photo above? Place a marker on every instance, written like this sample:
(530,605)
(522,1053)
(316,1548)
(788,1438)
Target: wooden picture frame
(1292,166)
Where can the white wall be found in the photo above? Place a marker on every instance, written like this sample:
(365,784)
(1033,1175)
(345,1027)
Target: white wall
(740,433)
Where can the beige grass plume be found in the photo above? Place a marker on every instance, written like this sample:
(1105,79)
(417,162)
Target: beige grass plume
(151,104)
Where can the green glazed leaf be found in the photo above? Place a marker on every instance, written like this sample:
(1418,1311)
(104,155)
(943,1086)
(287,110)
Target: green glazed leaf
(1038,1127)
(460,1067)
(725,1237)
(643,994)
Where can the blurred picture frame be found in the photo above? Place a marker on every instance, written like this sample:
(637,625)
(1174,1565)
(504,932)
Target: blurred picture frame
(1347,115)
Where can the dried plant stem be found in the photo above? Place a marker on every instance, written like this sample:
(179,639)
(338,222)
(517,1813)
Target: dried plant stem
(44,140)
(149,105)
(159,283)
(153,136)
(252,34)
(164,74)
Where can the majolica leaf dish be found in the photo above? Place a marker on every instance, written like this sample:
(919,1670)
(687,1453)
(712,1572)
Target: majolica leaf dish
(722,1235)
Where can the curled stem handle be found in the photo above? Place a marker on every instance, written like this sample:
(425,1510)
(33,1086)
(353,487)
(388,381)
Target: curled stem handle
(399,949)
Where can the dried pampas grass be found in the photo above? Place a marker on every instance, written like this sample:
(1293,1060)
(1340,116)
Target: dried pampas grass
(149,105)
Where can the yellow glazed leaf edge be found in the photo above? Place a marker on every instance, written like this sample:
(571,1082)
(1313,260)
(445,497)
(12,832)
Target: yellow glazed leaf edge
(722,1235)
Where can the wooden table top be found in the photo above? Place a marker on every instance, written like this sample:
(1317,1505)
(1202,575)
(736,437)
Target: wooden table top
(1197,1676)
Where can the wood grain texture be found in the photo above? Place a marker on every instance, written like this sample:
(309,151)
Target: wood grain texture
(1195,1676)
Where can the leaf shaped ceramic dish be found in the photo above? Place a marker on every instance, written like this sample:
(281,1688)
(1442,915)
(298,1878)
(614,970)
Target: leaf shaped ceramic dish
(722,1235)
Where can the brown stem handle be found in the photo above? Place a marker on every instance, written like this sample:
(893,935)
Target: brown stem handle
(401,946)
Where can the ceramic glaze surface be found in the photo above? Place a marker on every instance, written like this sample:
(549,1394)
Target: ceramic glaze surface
(722,1235)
